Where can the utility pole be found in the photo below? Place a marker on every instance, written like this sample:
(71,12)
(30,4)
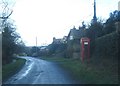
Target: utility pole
(119,6)
(36,45)
(94,17)
(36,41)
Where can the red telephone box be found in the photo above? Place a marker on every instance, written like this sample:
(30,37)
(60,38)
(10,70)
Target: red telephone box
(85,48)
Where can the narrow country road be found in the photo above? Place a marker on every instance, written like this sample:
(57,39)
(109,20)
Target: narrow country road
(37,71)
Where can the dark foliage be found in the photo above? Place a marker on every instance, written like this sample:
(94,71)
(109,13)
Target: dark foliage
(34,51)
(109,26)
(56,48)
(95,30)
(11,43)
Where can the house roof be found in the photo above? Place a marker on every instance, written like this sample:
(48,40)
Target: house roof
(76,33)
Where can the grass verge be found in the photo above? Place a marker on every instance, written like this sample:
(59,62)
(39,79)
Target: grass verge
(10,69)
(86,72)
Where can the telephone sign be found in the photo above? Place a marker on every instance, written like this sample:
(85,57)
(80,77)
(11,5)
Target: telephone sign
(85,43)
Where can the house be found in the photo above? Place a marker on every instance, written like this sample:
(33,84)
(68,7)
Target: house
(73,42)
(56,41)
(76,33)
(60,40)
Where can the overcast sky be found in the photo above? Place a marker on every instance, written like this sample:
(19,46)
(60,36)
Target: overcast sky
(54,18)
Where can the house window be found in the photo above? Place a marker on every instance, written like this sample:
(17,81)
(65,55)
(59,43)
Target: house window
(71,37)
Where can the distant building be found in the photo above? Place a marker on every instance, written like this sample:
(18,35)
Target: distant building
(60,40)
(43,48)
(56,41)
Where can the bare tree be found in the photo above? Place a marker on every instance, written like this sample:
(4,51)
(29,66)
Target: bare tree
(6,9)
(6,12)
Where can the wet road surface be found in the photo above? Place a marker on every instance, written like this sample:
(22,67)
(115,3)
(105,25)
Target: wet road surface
(37,71)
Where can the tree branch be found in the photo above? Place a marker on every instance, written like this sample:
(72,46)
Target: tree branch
(6,17)
(5,7)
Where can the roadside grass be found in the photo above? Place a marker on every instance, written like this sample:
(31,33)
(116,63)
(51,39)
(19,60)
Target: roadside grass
(9,69)
(89,72)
